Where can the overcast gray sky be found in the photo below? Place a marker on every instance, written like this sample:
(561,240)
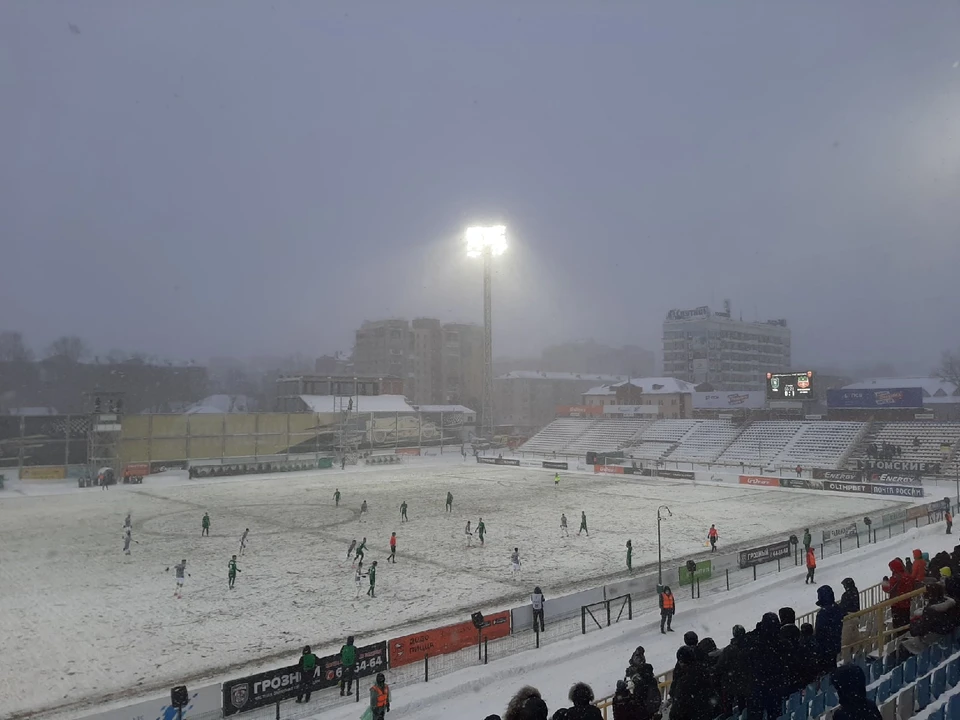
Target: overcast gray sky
(201,178)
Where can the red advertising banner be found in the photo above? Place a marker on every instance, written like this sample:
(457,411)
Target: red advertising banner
(450,638)
(608,469)
(407,451)
(759,480)
(136,470)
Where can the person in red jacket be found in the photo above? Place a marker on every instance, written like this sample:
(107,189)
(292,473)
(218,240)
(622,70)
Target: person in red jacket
(899,583)
(919,571)
(811,566)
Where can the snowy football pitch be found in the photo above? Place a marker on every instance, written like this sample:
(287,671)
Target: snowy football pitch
(94,623)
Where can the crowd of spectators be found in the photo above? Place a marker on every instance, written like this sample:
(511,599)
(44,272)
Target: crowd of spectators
(758,669)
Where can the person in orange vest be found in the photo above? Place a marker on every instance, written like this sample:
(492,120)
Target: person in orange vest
(811,566)
(380,697)
(919,570)
(712,536)
(668,606)
(948,516)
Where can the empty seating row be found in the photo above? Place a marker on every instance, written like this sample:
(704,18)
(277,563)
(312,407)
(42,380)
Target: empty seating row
(705,441)
(555,436)
(604,435)
(821,444)
(761,442)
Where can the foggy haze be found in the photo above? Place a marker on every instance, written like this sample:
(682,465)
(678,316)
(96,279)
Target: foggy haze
(245,178)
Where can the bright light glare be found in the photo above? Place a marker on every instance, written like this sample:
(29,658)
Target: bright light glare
(480,239)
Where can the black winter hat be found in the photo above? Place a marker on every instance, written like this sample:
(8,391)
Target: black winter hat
(788,616)
(534,709)
(686,654)
(581,694)
(739,631)
(690,638)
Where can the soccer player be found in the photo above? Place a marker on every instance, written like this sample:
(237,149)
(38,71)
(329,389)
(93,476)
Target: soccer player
(180,570)
(629,555)
(469,534)
(563,525)
(449,501)
(372,574)
(205,525)
(336,497)
(583,523)
(481,529)
(556,480)
(515,561)
(358,577)
(363,510)
(232,571)
(353,545)
(403,511)
(360,548)
(243,540)
(127,539)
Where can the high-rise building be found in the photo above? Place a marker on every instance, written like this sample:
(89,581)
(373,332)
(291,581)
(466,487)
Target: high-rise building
(439,363)
(701,346)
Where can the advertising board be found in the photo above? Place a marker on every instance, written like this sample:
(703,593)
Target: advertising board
(579,410)
(675,474)
(841,531)
(608,469)
(893,517)
(842,475)
(879,399)
(883,478)
(554,465)
(759,480)
(846,487)
(43,472)
(450,638)
(790,386)
(801,483)
(266,688)
(498,461)
(897,490)
(407,451)
(704,571)
(763,554)
(919,467)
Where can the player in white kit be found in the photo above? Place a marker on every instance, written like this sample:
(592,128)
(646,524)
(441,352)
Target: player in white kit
(469,534)
(563,526)
(515,561)
(358,577)
(180,571)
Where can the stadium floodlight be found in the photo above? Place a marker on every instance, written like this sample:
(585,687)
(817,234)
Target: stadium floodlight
(481,240)
(486,243)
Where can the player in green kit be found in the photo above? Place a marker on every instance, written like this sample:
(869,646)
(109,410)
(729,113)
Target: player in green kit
(205,525)
(583,523)
(360,548)
(403,511)
(372,574)
(629,555)
(481,529)
(449,501)
(336,498)
(232,571)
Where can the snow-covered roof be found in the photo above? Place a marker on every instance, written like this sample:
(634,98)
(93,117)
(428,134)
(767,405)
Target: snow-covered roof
(601,390)
(659,385)
(535,375)
(934,389)
(444,409)
(361,403)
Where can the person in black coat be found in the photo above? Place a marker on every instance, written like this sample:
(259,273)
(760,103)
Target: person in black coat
(768,675)
(694,697)
(809,670)
(625,705)
(646,693)
(828,629)
(791,659)
(581,695)
(851,686)
(734,673)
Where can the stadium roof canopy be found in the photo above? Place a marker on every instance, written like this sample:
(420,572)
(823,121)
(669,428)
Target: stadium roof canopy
(934,389)
(571,377)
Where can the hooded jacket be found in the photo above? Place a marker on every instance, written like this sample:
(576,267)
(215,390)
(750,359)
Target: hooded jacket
(583,708)
(899,583)
(694,696)
(828,629)
(919,567)
(850,600)
(733,671)
(851,686)
(525,705)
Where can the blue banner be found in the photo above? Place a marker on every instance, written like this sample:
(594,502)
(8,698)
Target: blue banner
(878,399)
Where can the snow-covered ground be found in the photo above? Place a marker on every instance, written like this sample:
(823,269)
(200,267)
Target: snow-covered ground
(599,658)
(112,623)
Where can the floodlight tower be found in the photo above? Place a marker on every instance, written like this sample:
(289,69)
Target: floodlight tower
(487,243)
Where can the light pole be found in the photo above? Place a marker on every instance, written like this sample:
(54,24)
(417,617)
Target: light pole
(487,243)
(659,545)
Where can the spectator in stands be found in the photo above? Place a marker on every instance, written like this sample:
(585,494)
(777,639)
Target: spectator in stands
(733,672)
(690,640)
(668,606)
(939,618)
(828,629)
(790,656)
(766,667)
(811,563)
(919,571)
(581,695)
(899,583)
(708,653)
(624,704)
(808,654)
(694,697)
(940,560)
(908,565)
(526,705)
(646,693)
(951,586)
(851,686)
(637,661)
(850,602)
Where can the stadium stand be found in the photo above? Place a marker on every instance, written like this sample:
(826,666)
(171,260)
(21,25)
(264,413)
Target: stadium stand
(604,435)
(705,441)
(658,439)
(920,441)
(558,434)
(821,444)
(761,442)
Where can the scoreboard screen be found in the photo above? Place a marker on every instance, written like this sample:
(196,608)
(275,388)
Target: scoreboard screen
(790,386)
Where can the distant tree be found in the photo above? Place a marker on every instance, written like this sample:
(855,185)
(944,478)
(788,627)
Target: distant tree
(13,348)
(68,347)
(949,369)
